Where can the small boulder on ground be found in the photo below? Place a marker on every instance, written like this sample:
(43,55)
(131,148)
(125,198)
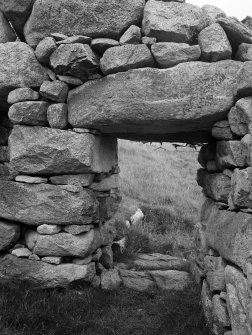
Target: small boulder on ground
(110,280)
(126,57)
(131,36)
(214,44)
(168,54)
(22,94)
(54,90)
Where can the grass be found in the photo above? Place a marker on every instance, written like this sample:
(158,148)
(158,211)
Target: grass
(95,312)
(162,183)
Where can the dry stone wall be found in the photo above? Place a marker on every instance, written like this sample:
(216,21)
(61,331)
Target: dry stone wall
(77,75)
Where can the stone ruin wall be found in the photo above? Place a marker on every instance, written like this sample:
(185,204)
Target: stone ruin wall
(79,75)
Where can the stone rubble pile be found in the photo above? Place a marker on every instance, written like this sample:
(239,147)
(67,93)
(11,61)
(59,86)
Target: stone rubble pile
(76,75)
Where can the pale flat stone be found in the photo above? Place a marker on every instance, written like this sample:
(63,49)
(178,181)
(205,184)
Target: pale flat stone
(77,230)
(43,275)
(168,54)
(88,18)
(35,150)
(72,81)
(39,203)
(165,104)
(171,279)
(54,90)
(131,36)
(9,234)
(160,262)
(32,113)
(31,180)
(214,44)
(83,180)
(46,229)
(110,280)
(22,94)
(126,57)
(82,261)
(21,253)
(172,22)
(52,260)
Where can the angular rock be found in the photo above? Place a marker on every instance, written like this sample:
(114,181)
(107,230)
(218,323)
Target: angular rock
(212,13)
(75,39)
(77,60)
(34,257)
(43,203)
(106,184)
(44,49)
(160,262)
(42,275)
(18,71)
(64,244)
(83,180)
(168,54)
(77,230)
(89,18)
(241,194)
(236,31)
(9,234)
(137,280)
(100,45)
(52,260)
(238,301)
(214,44)
(45,151)
(240,116)
(244,80)
(220,312)
(110,280)
(131,36)
(32,113)
(47,229)
(222,131)
(22,94)
(21,253)
(231,154)
(171,280)
(72,81)
(31,180)
(57,116)
(7,34)
(215,185)
(173,22)
(106,258)
(159,103)
(54,90)
(227,232)
(244,52)
(126,57)
(17,12)
(248,21)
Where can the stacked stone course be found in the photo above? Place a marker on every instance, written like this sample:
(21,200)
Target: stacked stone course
(88,72)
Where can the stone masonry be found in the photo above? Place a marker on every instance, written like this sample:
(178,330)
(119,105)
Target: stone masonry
(77,75)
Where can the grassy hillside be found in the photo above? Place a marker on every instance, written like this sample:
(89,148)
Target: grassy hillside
(163,184)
